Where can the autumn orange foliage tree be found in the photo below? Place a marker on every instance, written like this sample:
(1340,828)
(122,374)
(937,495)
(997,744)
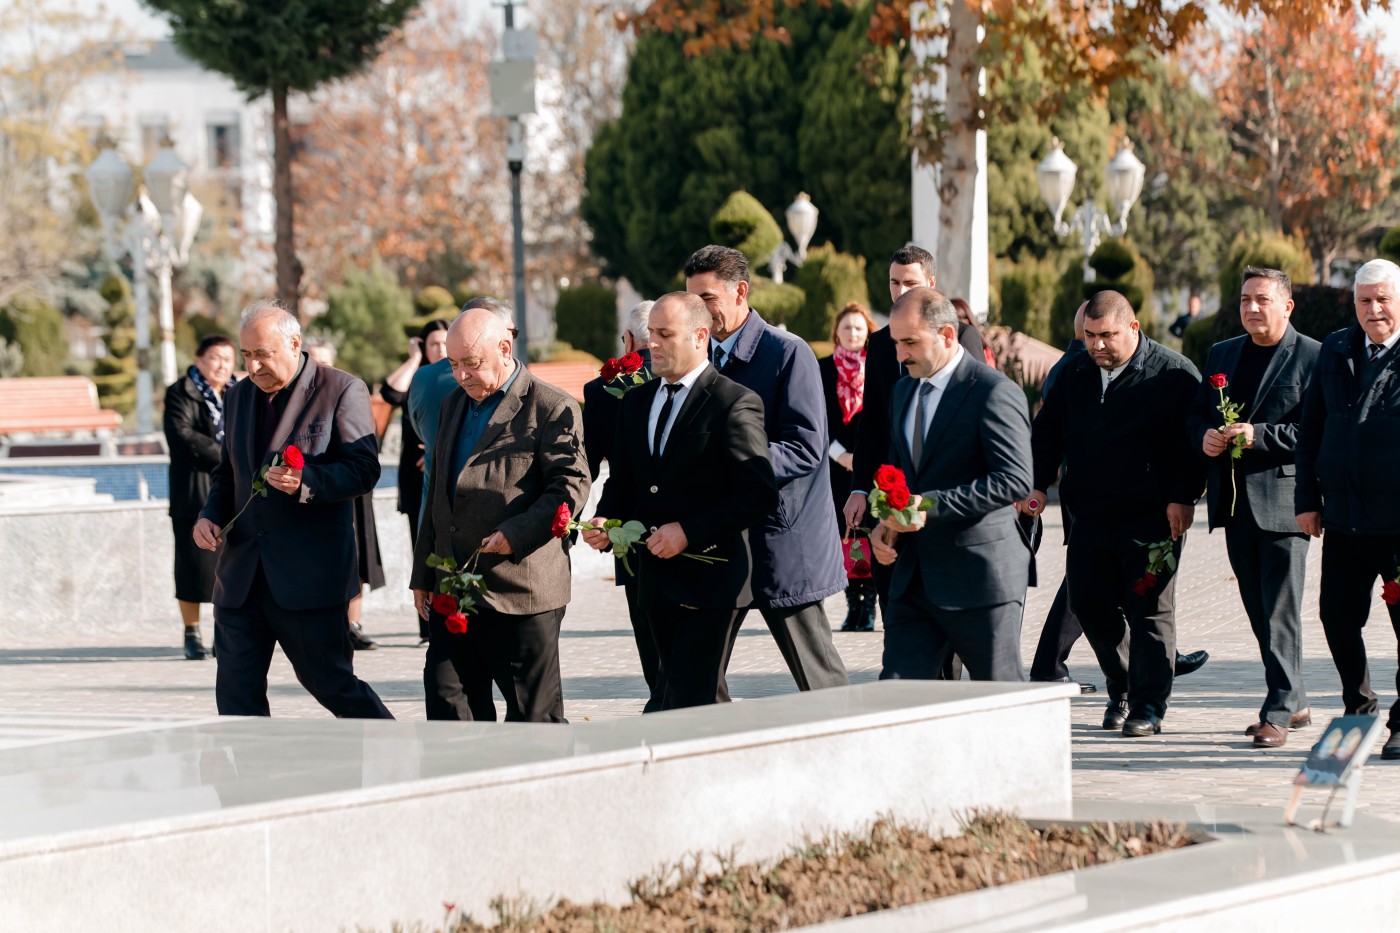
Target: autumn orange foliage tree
(1311,119)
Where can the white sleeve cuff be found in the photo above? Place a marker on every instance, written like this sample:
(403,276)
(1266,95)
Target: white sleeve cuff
(304,495)
(835,450)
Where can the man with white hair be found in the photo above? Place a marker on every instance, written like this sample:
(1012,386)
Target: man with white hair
(287,570)
(1348,446)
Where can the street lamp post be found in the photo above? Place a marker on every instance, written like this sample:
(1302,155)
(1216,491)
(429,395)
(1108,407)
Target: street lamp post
(801,216)
(156,230)
(1122,183)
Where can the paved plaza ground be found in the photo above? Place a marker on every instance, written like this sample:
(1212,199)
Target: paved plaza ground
(1201,757)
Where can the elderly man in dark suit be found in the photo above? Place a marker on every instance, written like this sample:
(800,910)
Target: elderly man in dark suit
(1251,497)
(509,452)
(1348,446)
(288,569)
(600,409)
(961,434)
(687,434)
(1113,431)
(797,546)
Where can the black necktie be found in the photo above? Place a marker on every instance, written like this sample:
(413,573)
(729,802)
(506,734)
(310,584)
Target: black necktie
(718,357)
(665,416)
(1375,351)
(920,422)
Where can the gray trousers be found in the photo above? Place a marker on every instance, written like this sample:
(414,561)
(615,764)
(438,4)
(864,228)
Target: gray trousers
(803,634)
(920,637)
(1269,568)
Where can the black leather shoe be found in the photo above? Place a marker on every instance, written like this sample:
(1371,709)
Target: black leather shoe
(194,647)
(1190,663)
(1116,714)
(1390,751)
(1084,689)
(1142,724)
(360,640)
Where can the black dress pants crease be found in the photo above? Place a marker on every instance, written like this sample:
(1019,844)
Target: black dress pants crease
(647,652)
(1269,569)
(920,637)
(803,634)
(518,653)
(693,648)
(1057,638)
(316,642)
(1103,563)
(1350,566)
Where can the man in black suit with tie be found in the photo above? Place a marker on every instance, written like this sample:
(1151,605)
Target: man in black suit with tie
(600,409)
(1113,430)
(288,568)
(1251,497)
(1348,446)
(691,464)
(961,435)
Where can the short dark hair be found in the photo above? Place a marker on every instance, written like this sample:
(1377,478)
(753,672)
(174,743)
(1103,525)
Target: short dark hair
(911,255)
(212,341)
(1108,304)
(729,264)
(435,324)
(1277,276)
(932,305)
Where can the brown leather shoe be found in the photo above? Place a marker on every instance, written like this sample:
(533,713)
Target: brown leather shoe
(1270,736)
(1297,721)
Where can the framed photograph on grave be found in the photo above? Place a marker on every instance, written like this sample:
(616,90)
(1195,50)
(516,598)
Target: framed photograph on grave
(1335,763)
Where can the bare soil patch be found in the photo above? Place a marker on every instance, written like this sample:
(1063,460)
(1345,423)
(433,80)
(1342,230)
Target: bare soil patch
(841,875)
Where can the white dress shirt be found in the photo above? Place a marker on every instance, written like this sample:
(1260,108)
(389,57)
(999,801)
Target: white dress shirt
(659,400)
(939,381)
(1388,345)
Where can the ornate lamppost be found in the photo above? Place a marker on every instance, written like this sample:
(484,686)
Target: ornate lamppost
(1123,178)
(801,216)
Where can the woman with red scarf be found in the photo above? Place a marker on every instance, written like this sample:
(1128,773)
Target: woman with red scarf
(843,381)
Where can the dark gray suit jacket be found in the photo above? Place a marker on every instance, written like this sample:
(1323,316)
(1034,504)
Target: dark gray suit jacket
(527,461)
(1265,472)
(976,464)
(305,543)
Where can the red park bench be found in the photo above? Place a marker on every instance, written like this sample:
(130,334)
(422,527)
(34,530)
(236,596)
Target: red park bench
(52,405)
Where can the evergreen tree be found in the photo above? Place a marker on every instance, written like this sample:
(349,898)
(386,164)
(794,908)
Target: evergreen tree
(365,317)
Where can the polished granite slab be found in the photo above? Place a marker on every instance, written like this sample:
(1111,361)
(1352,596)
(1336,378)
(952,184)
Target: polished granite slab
(211,765)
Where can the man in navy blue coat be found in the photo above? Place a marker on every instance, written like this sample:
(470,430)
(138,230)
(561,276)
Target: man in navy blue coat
(796,548)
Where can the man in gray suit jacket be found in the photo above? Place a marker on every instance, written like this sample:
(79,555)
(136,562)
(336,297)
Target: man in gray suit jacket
(961,434)
(1251,497)
(509,451)
(288,570)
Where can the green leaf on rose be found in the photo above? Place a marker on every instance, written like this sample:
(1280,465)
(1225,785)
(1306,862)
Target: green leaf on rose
(1171,561)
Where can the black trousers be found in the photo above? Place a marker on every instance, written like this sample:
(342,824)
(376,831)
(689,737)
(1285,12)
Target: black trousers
(413,540)
(316,642)
(518,653)
(1103,563)
(1350,567)
(647,652)
(1269,568)
(803,634)
(1057,638)
(921,637)
(693,648)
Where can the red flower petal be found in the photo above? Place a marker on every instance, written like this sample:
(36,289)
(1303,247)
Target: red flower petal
(293,457)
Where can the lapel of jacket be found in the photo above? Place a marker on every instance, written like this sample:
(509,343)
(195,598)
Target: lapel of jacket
(503,413)
(900,400)
(954,394)
(296,404)
(1286,346)
(696,397)
(750,333)
(240,415)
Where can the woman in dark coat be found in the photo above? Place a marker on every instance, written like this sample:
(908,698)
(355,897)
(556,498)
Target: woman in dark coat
(194,433)
(843,385)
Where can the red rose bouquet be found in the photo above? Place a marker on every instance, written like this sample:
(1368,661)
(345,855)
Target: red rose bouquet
(1159,557)
(290,457)
(891,498)
(1230,412)
(458,591)
(624,374)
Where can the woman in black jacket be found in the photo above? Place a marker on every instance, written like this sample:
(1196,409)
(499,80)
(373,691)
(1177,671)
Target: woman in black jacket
(843,385)
(194,433)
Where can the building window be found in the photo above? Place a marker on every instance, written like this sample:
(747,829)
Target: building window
(155,130)
(224,142)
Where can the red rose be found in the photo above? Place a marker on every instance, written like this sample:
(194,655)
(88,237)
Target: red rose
(1390,592)
(888,477)
(560,527)
(898,497)
(629,364)
(457,623)
(444,604)
(1218,381)
(860,570)
(1141,587)
(292,456)
(1150,579)
(610,370)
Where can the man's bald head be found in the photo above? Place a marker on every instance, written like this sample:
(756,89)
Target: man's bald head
(479,349)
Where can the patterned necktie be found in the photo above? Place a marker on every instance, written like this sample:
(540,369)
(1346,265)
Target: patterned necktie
(1375,351)
(920,422)
(719,357)
(665,416)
